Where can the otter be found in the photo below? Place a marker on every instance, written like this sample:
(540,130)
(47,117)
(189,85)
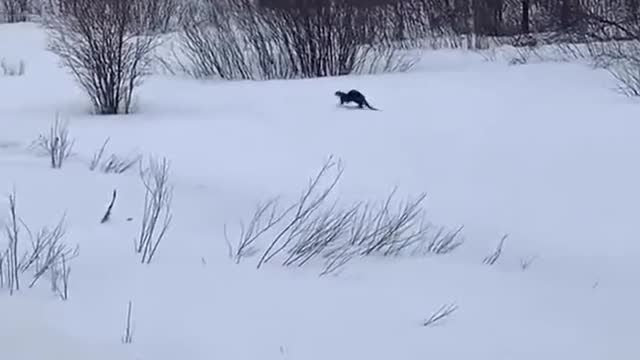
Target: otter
(354,96)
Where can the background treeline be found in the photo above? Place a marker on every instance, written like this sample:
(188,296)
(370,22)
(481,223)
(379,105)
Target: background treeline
(406,18)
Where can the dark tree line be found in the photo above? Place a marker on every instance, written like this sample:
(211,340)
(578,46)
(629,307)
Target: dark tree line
(495,17)
(410,18)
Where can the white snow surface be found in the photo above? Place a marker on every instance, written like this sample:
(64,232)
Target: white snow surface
(547,153)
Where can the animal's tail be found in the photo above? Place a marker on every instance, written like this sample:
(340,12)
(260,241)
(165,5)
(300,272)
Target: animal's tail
(369,106)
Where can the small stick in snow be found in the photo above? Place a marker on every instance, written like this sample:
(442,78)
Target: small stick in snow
(107,215)
(442,313)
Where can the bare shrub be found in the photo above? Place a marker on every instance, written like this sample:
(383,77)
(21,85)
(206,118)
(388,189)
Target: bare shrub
(57,144)
(265,217)
(99,43)
(242,39)
(156,213)
(441,314)
(48,253)
(116,164)
(316,228)
(12,69)
(45,255)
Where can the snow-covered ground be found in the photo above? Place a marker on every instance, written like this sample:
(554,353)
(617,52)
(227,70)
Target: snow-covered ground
(546,153)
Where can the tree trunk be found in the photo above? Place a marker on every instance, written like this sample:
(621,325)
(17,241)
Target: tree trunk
(525,28)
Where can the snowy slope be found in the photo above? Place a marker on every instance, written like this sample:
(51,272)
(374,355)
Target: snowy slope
(546,153)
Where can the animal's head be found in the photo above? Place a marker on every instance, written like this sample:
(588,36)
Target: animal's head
(339,93)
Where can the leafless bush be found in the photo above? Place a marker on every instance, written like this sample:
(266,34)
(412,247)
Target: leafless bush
(495,255)
(314,227)
(266,216)
(115,164)
(12,69)
(127,338)
(57,144)
(118,165)
(99,42)
(242,39)
(441,314)
(46,255)
(156,216)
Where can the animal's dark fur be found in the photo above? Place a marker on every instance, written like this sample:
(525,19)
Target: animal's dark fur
(354,96)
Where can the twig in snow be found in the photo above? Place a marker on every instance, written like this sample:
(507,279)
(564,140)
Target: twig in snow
(107,215)
(57,144)
(127,338)
(442,313)
(11,256)
(494,256)
(97,156)
(525,263)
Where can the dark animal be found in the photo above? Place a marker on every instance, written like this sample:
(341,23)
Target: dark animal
(354,96)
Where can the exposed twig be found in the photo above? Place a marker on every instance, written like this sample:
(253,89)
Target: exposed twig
(494,256)
(107,214)
(127,338)
(439,315)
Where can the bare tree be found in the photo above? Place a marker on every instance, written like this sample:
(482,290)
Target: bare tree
(115,164)
(99,42)
(156,214)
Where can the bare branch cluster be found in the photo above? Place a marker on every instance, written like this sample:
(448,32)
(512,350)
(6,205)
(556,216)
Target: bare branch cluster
(56,144)
(45,255)
(245,39)
(157,215)
(315,228)
(115,164)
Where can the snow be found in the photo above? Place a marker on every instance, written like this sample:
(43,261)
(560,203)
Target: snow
(544,152)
